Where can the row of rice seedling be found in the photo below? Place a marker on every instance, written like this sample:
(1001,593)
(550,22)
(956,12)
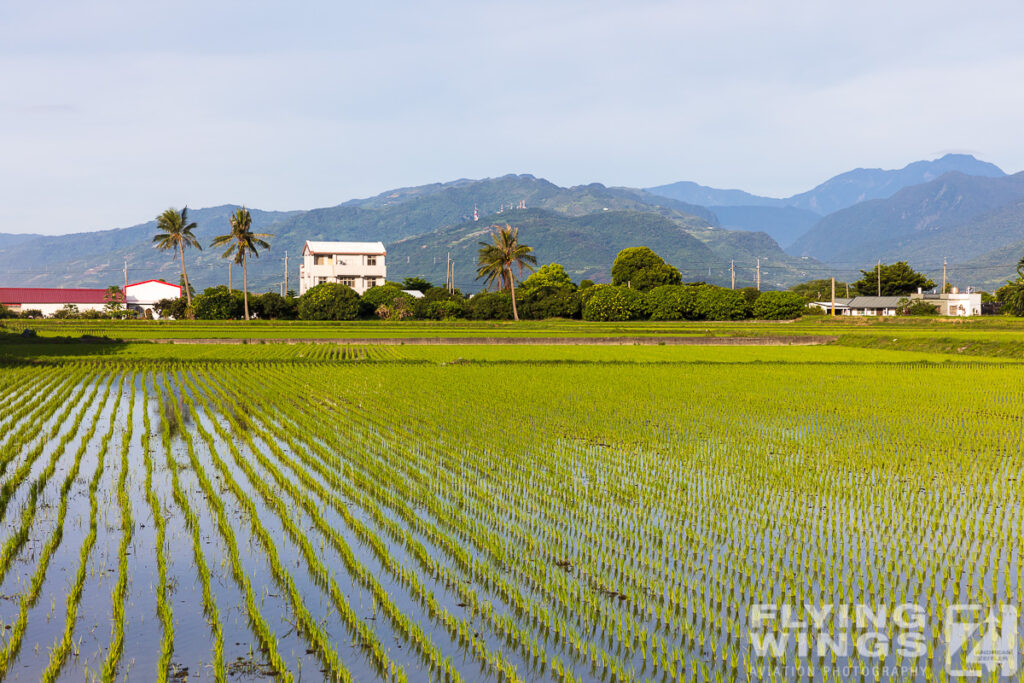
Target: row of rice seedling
(61,649)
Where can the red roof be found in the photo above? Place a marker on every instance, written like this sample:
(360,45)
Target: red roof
(41,295)
(146,282)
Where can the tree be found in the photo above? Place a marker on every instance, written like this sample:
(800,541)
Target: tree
(820,290)
(416,283)
(242,242)
(897,279)
(640,268)
(550,275)
(273,306)
(114,301)
(175,232)
(171,308)
(491,306)
(1011,295)
(329,301)
(497,258)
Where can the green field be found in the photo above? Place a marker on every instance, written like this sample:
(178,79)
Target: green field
(472,512)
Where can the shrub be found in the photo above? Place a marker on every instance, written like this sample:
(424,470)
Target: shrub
(445,309)
(586,283)
(549,302)
(329,301)
(32,314)
(615,304)
(718,303)
(6,312)
(273,306)
(917,308)
(172,308)
(491,306)
(673,302)
(422,307)
(217,303)
(778,306)
(384,295)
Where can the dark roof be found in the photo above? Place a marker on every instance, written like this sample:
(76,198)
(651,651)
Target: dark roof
(875,301)
(42,295)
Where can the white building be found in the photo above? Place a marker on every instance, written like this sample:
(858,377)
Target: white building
(142,296)
(360,265)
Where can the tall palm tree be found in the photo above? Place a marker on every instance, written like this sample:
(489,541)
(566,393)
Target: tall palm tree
(242,242)
(175,232)
(499,255)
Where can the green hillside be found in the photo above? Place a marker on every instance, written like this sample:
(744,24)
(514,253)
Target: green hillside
(587,245)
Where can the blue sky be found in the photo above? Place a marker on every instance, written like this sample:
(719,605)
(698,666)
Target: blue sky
(112,111)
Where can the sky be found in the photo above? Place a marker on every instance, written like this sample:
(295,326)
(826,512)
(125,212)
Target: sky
(111,112)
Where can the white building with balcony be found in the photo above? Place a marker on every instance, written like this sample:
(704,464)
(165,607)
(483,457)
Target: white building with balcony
(360,265)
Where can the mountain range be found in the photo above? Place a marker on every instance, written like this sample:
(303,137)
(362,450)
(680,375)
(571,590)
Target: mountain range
(955,207)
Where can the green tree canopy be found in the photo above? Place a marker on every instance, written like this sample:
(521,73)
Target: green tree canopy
(615,304)
(779,305)
(417,283)
(642,269)
(898,279)
(550,275)
(820,290)
(329,301)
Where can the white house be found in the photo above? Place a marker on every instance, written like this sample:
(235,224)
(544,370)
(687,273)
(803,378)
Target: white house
(142,296)
(360,265)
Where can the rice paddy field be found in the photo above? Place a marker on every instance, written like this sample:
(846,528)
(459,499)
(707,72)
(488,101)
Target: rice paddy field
(362,512)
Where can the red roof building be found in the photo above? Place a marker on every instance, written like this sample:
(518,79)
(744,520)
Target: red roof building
(18,296)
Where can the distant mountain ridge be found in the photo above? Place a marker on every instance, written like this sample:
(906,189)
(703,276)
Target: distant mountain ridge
(609,219)
(955,216)
(838,192)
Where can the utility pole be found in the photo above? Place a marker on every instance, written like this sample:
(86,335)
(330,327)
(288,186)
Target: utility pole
(879,277)
(759,274)
(943,290)
(125,290)
(285,274)
(833,297)
(732,272)
(847,290)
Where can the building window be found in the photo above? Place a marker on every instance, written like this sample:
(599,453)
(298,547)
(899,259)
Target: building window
(371,282)
(371,260)
(321,260)
(347,280)
(320,280)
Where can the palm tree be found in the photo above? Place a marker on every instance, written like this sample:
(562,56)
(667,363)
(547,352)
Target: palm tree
(498,256)
(176,232)
(241,243)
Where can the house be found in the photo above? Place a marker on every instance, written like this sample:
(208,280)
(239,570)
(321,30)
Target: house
(143,296)
(48,301)
(872,305)
(842,306)
(954,303)
(359,265)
